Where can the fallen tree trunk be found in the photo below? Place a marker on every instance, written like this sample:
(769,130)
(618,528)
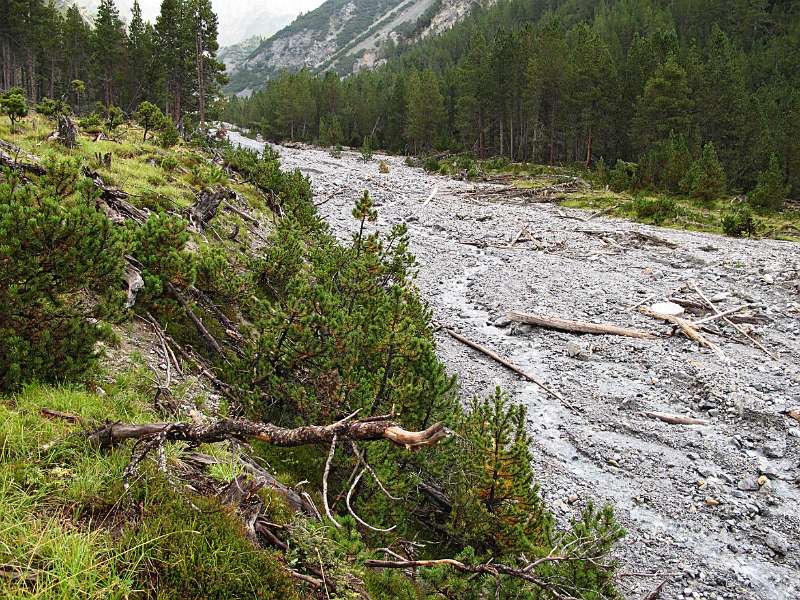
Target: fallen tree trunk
(225,429)
(576,326)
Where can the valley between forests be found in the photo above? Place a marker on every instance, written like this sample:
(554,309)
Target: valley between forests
(714,505)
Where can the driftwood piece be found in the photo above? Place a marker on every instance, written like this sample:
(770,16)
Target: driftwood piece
(688,330)
(675,419)
(206,206)
(496,357)
(576,326)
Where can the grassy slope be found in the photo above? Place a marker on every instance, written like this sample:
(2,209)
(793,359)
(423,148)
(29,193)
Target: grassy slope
(691,214)
(62,503)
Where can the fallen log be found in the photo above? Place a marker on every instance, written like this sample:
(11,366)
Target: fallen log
(507,364)
(675,419)
(576,326)
(220,430)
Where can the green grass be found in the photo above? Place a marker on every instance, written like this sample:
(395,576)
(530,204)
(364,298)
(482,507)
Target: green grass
(68,530)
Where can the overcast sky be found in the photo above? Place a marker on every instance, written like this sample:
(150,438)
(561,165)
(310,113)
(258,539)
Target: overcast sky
(238,19)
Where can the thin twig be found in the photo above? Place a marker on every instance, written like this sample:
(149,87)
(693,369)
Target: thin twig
(352,512)
(325,483)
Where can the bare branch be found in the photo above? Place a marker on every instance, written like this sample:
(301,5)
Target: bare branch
(352,512)
(325,483)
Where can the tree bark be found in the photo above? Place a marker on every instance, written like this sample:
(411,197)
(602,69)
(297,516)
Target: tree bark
(376,428)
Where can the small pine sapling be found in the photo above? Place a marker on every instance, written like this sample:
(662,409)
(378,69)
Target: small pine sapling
(771,189)
(14,104)
(149,117)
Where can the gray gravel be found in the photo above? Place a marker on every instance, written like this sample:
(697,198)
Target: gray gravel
(715,508)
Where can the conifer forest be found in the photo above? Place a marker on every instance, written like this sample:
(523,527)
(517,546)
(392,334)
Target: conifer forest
(421,300)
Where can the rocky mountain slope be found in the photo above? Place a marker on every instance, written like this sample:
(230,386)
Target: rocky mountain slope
(345,36)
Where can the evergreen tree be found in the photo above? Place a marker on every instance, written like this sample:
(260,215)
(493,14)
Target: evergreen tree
(141,59)
(108,48)
(150,117)
(664,107)
(13,104)
(772,189)
(722,100)
(56,246)
(424,110)
(706,179)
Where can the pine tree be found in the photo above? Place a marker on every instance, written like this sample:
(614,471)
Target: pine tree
(706,179)
(13,104)
(56,246)
(108,48)
(722,100)
(664,107)
(141,59)
(425,109)
(150,117)
(498,507)
(772,188)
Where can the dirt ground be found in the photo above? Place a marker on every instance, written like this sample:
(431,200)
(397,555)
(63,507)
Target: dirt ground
(713,508)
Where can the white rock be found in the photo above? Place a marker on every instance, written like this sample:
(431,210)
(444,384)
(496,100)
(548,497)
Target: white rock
(667,308)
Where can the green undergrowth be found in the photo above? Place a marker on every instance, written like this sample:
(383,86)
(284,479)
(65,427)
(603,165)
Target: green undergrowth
(657,208)
(68,530)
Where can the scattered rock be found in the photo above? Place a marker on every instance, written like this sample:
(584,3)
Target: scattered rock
(573,349)
(776,543)
(748,484)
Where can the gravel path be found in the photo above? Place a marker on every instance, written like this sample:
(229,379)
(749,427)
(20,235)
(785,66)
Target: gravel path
(692,498)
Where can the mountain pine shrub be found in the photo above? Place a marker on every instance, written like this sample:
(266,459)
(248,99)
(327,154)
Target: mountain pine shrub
(62,268)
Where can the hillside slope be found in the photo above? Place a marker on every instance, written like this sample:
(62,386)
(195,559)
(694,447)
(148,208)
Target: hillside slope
(345,36)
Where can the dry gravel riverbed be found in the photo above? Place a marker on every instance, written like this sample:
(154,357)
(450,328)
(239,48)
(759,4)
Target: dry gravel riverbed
(715,506)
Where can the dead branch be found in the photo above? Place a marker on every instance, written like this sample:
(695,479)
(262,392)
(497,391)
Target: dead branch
(111,434)
(686,327)
(210,340)
(675,419)
(720,315)
(57,414)
(352,512)
(325,483)
(576,326)
(507,364)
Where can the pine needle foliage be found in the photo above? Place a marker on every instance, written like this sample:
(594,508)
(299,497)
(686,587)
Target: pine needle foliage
(61,269)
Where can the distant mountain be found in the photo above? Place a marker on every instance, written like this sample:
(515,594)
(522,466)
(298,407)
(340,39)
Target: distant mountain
(238,20)
(344,36)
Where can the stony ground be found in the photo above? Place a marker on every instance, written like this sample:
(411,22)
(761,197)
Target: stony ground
(713,508)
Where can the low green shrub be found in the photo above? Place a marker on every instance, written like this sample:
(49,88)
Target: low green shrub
(739,222)
(656,210)
(56,246)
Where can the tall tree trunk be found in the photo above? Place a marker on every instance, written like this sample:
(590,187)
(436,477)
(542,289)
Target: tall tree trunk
(201,87)
(589,147)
